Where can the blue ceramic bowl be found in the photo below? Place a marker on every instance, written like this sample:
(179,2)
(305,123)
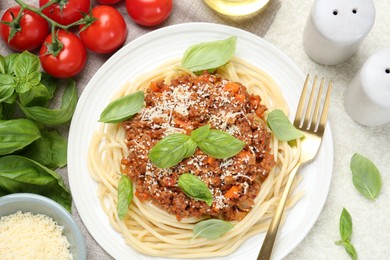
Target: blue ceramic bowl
(37,204)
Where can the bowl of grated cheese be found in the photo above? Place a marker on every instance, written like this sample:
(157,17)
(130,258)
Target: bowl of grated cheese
(35,227)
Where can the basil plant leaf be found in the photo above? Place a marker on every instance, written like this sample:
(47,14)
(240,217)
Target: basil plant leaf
(282,127)
(200,133)
(123,108)
(38,95)
(345,225)
(19,174)
(195,188)
(209,55)
(171,150)
(125,195)
(16,134)
(350,250)
(50,83)
(2,65)
(365,176)
(211,228)
(9,62)
(219,144)
(27,71)
(7,87)
(49,150)
(55,116)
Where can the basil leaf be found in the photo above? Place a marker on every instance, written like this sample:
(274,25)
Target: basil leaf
(345,225)
(195,188)
(171,150)
(211,229)
(2,65)
(37,96)
(282,127)
(219,144)
(209,55)
(9,62)
(123,108)
(55,116)
(49,150)
(7,86)
(20,174)
(200,133)
(125,195)
(27,71)
(50,82)
(365,176)
(350,250)
(16,134)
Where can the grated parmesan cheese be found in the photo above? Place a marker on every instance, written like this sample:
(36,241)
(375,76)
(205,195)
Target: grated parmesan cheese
(28,236)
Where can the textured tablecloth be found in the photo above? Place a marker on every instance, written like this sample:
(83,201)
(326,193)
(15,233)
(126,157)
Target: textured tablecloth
(282,23)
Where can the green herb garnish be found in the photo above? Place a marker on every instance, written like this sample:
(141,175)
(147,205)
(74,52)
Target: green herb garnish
(211,229)
(195,188)
(125,195)
(20,174)
(171,150)
(282,127)
(16,134)
(175,147)
(365,176)
(123,108)
(346,233)
(209,55)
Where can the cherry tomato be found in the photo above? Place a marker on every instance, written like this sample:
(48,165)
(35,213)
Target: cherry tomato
(149,12)
(69,61)
(32,29)
(66,12)
(105,34)
(108,2)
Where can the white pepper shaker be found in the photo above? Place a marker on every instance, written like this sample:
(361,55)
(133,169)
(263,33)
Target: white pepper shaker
(367,97)
(336,28)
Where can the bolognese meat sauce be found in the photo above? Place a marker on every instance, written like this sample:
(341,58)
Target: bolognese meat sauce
(182,106)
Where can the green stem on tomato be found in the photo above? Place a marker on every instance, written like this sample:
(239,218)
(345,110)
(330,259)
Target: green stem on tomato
(51,21)
(47,5)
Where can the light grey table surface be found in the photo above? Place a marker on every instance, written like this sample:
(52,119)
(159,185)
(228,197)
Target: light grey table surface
(281,23)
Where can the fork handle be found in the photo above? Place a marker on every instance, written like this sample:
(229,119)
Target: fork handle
(269,240)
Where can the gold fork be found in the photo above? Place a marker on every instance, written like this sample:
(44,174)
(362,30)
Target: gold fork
(312,124)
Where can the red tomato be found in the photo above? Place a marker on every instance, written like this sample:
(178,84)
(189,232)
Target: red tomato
(108,2)
(69,61)
(68,12)
(33,30)
(149,12)
(107,33)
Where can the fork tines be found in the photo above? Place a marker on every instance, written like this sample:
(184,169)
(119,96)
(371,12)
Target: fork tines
(312,113)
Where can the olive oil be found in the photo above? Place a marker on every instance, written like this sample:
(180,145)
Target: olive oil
(237,7)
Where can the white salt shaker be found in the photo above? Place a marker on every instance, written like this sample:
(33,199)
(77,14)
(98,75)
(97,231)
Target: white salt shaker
(367,97)
(336,28)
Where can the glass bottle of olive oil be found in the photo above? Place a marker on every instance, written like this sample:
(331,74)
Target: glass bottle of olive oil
(236,7)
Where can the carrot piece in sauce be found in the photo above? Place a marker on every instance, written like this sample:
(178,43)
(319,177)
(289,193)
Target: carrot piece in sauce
(232,193)
(232,87)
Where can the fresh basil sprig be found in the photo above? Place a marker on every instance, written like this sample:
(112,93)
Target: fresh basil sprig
(211,228)
(219,144)
(282,127)
(16,134)
(346,233)
(55,116)
(195,188)
(365,176)
(209,55)
(20,174)
(171,150)
(175,147)
(123,108)
(125,195)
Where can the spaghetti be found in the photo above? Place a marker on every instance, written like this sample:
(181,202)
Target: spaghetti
(153,231)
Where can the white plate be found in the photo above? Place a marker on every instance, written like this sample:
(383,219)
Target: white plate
(142,55)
